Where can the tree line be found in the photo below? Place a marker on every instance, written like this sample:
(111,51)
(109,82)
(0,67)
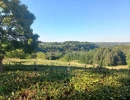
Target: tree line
(102,56)
(56,50)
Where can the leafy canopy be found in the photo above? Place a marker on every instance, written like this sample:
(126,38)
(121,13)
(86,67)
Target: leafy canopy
(15,27)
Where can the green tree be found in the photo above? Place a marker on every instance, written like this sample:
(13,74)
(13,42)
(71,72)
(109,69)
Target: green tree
(109,57)
(99,57)
(15,27)
(128,59)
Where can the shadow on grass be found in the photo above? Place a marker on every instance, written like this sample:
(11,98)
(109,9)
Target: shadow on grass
(37,67)
(15,78)
(43,67)
(25,76)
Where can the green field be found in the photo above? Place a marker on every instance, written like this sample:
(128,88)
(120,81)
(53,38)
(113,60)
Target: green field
(54,80)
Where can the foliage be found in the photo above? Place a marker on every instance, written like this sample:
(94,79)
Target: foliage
(40,55)
(17,53)
(83,52)
(99,56)
(128,59)
(83,57)
(56,50)
(65,47)
(60,84)
(15,27)
(54,55)
(126,50)
(109,57)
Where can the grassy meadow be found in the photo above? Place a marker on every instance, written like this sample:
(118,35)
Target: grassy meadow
(54,80)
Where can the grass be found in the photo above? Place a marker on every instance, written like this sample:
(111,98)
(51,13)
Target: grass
(41,62)
(55,63)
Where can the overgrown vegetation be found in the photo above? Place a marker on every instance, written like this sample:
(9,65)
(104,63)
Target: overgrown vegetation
(58,83)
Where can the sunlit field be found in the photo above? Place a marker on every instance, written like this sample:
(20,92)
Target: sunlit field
(58,81)
(53,63)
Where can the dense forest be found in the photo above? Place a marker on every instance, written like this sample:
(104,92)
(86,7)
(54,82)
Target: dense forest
(67,46)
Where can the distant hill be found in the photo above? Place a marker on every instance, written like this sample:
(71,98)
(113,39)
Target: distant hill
(67,46)
(111,43)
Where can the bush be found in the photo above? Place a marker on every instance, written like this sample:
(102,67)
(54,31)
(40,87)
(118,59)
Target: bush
(31,56)
(17,53)
(82,57)
(40,55)
(54,55)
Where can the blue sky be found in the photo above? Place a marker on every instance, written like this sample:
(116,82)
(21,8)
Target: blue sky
(81,20)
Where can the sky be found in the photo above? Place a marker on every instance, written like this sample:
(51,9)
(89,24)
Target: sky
(81,20)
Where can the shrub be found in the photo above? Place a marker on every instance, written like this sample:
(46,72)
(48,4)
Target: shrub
(40,55)
(17,53)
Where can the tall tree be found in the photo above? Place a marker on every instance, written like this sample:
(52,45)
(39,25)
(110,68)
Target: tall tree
(15,27)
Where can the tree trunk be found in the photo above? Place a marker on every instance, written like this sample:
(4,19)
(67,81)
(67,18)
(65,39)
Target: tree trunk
(1,66)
